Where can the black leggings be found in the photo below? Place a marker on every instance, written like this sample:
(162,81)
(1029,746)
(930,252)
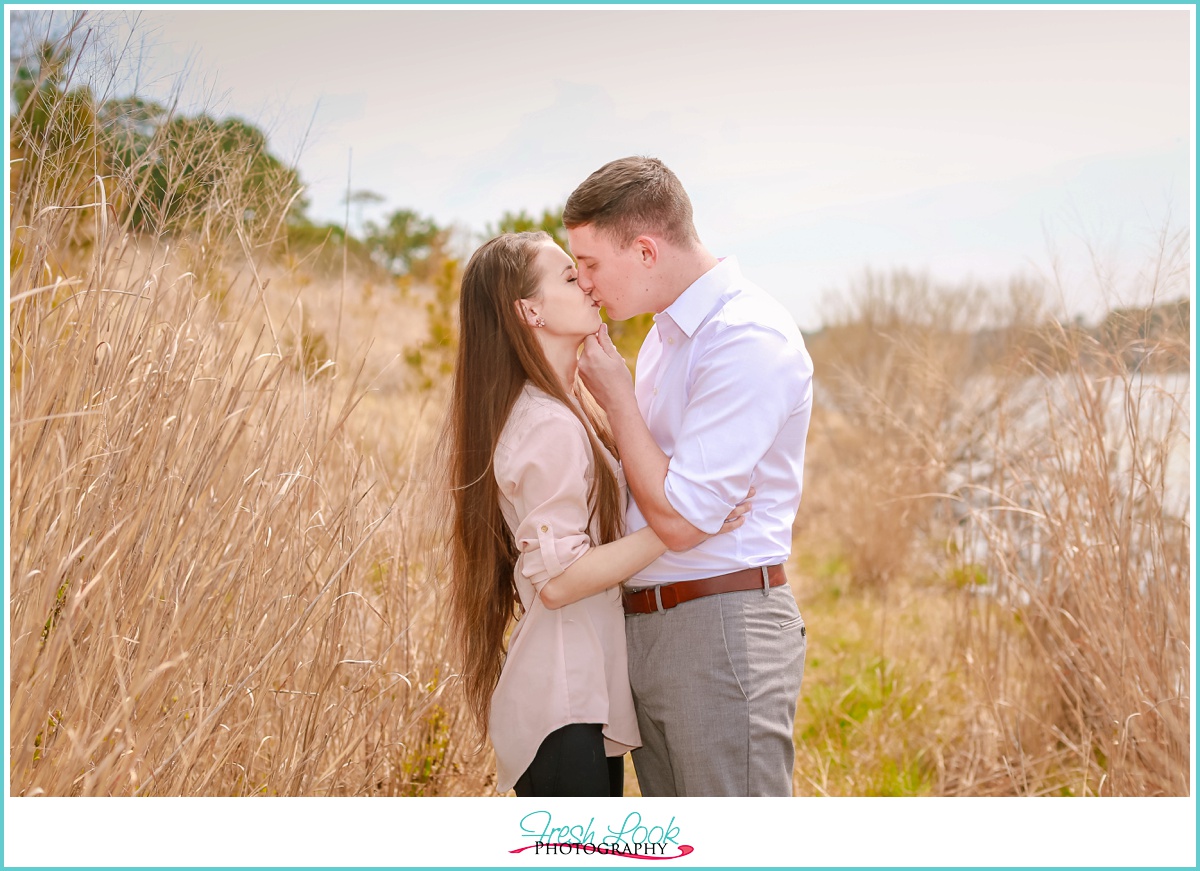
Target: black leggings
(571,761)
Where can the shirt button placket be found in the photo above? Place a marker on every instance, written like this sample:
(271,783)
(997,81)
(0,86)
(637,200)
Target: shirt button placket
(663,368)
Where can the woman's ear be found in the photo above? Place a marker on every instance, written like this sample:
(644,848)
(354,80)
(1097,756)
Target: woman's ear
(528,315)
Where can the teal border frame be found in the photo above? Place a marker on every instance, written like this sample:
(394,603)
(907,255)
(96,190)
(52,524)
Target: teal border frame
(484,4)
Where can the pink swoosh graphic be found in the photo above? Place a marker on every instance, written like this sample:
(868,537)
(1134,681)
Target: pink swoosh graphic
(684,850)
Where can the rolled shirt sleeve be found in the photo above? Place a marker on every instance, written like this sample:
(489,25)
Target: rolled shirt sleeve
(749,380)
(545,471)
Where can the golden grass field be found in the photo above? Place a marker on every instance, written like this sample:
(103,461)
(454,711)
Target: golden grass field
(227,567)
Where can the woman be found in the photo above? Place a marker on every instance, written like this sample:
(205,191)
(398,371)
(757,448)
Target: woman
(539,506)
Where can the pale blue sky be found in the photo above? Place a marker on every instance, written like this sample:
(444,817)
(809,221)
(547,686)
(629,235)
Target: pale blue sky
(815,143)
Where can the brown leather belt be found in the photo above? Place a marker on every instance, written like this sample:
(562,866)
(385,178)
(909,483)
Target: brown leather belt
(666,596)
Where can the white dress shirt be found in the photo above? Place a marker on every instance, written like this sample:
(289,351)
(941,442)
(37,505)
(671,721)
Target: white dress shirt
(724,383)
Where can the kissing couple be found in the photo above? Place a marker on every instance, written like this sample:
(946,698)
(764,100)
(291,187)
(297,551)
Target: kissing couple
(637,532)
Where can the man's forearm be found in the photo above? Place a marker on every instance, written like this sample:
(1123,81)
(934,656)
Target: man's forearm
(645,467)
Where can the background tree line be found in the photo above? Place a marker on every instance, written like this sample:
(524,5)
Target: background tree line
(162,171)
(158,170)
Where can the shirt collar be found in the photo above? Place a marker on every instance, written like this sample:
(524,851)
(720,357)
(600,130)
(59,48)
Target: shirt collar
(703,296)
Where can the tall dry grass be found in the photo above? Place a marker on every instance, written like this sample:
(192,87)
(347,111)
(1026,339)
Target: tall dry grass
(996,521)
(1081,528)
(216,587)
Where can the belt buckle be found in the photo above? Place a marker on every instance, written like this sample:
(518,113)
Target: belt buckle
(658,605)
(766,582)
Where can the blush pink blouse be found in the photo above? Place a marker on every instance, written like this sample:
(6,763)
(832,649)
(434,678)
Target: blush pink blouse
(567,665)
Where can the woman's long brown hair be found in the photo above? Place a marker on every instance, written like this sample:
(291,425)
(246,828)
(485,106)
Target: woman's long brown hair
(497,355)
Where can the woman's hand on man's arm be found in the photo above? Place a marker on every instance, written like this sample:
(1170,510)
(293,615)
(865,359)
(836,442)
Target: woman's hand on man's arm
(610,564)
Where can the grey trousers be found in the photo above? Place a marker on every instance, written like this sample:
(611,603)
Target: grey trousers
(715,682)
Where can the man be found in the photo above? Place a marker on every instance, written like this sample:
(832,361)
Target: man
(721,405)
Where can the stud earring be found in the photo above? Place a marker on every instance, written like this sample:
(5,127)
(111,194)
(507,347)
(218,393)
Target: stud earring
(539,321)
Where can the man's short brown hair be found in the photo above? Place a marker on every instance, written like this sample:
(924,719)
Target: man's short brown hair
(631,196)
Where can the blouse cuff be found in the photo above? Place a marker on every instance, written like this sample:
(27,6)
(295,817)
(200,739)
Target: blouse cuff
(549,556)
